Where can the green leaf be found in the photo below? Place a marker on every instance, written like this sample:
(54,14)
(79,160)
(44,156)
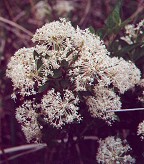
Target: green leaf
(114,19)
(43,87)
(57,73)
(64,83)
(139,53)
(126,49)
(38,59)
(71,51)
(39,63)
(92,30)
(36,55)
(64,64)
(101,32)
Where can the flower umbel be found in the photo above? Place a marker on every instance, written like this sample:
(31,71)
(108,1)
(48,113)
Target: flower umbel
(113,150)
(59,110)
(67,67)
(140,130)
(27,116)
(104,99)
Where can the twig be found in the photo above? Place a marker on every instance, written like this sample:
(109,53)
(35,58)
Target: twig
(132,17)
(22,13)
(139,10)
(88,7)
(22,147)
(24,153)
(126,110)
(16,25)
(5,156)
(65,140)
(79,154)
(8,9)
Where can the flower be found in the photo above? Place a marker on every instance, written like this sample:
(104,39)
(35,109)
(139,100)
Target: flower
(65,63)
(64,7)
(141,96)
(20,69)
(123,74)
(27,116)
(132,32)
(140,130)
(87,57)
(104,99)
(42,9)
(113,150)
(54,32)
(59,110)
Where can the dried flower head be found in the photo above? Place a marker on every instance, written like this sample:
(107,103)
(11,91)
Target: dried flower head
(113,151)
(58,109)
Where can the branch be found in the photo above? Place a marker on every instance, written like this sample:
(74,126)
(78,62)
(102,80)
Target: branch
(22,147)
(16,25)
(126,110)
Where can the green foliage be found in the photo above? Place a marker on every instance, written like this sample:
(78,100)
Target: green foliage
(92,30)
(57,73)
(36,55)
(43,87)
(114,19)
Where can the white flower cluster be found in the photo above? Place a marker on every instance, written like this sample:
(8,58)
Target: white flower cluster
(24,72)
(58,110)
(64,7)
(27,116)
(132,32)
(140,130)
(82,59)
(21,70)
(141,84)
(113,151)
(42,9)
(105,99)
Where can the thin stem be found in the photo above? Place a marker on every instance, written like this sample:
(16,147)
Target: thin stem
(21,154)
(16,25)
(79,153)
(22,148)
(126,110)
(65,140)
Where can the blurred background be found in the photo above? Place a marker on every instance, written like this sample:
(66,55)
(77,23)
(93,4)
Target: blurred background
(18,22)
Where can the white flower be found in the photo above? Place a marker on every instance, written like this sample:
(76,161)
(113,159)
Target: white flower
(113,151)
(54,32)
(65,53)
(42,8)
(64,7)
(124,75)
(104,99)
(140,130)
(141,83)
(21,69)
(59,110)
(27,116)
(87,57)
(132,32)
